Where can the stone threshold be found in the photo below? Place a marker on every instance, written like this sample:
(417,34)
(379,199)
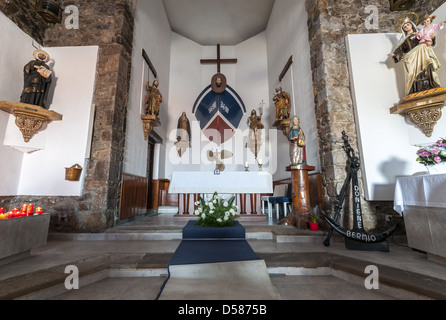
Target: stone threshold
(277,233)
(49,282)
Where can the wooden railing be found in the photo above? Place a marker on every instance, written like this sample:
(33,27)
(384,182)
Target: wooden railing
(134,192)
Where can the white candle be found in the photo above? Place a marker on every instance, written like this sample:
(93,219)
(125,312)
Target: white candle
(260,161)
(246,164)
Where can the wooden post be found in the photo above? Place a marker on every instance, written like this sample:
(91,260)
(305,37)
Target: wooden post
(300,195)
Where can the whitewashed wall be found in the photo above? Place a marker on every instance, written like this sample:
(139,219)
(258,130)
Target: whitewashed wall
(151,33)
(286,35)
(18,49)
(68,141)
(388,143)
(63,143)
(188,78)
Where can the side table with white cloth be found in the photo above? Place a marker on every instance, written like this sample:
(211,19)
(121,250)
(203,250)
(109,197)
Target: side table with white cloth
(244,185)
(421,200)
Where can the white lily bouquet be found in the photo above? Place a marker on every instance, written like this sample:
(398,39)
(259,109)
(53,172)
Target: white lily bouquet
(216,212)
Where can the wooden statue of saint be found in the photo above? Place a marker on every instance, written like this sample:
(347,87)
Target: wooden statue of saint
(282,101)
(255,124)
(420,62)
(153,99)
(37,80)
(183,129)
(297,141)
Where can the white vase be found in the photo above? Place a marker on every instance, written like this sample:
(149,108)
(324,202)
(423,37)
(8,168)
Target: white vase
(437,168)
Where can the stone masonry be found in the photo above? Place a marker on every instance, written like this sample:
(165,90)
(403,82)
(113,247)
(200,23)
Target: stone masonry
(329,22)
(109,24)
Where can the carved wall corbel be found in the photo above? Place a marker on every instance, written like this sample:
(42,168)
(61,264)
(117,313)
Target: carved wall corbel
(149,122)
(283,125)
(423,108)
(426,118)
(30,119)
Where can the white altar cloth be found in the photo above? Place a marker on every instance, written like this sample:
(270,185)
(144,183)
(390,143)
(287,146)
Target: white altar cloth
(225,183)
(420,191)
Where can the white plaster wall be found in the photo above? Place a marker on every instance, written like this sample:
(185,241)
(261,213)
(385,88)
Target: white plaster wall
(252,81)
(152,33)
(388,143)
(186,83)
(189,78)
(17,51)
(67,141)
(286,35)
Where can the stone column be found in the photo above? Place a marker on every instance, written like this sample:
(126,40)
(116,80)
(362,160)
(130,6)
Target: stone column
(108,24)
(329,22)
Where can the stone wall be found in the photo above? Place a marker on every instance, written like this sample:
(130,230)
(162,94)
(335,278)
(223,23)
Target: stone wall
(23,14)
(109,25)
(329,22)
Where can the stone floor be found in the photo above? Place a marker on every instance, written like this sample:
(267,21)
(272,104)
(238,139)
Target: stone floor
(130,262)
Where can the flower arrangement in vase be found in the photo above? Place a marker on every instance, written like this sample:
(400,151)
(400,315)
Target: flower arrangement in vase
(216,212)
(433,156)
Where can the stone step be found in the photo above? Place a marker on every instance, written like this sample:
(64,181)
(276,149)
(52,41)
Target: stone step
(163,233)
(49,281)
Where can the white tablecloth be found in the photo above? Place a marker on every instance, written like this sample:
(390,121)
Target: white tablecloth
(420,191)
(225,183)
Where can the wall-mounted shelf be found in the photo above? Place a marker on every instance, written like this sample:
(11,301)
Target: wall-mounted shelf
(30,119)
(423,108)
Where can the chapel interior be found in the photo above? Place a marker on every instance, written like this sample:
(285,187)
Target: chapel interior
(104,159)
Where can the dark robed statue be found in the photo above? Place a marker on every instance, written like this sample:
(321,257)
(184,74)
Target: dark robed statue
(37,80)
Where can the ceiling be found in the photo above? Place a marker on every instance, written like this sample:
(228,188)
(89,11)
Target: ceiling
(225,22)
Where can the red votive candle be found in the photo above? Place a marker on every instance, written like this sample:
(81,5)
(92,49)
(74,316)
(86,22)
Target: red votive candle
(39,210)
(30,209)
(2,210)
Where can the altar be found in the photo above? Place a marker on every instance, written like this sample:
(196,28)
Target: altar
(246,186)
(421,201)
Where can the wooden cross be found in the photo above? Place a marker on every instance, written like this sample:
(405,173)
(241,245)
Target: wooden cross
(218,61)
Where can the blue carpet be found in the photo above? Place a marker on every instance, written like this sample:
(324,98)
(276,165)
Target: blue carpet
(192,231)
(212,251)
(211,245)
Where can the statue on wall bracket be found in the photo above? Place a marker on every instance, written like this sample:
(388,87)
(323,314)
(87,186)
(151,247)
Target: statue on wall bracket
(152,108)
(282,101)
(424,96)
(32,114)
